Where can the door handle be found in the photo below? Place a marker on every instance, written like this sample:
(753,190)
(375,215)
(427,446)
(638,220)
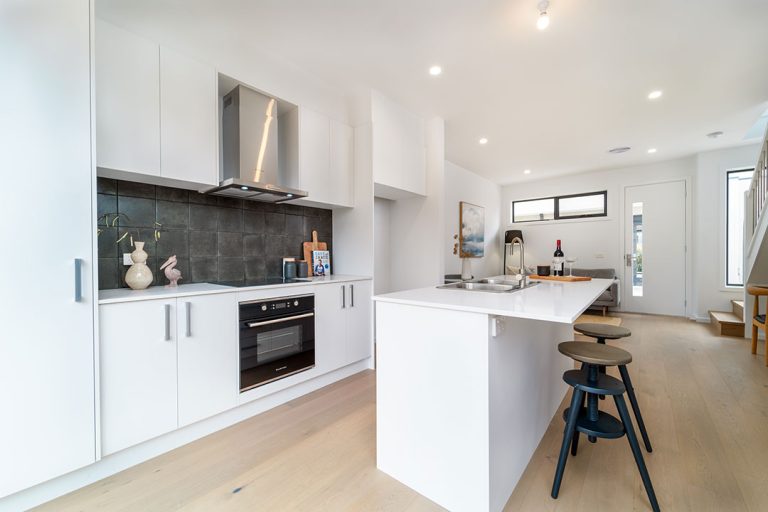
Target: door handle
(188,306)
(351,295)
(343,296)
(167,322)
(78,280)
(628,259)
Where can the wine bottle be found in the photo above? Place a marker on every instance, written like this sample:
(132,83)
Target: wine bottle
(557,262)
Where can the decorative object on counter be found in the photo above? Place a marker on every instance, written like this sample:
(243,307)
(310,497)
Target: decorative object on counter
(557,261)
(471,230)
(302,269)
(570,260)
(542,270)
(321,263)
(310,248)
(138,276)
(171,272)
(289,268)
(466,269)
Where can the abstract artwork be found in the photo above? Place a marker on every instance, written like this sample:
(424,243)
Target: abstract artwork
(472,232)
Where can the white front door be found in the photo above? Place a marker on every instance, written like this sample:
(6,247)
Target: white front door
(654,248)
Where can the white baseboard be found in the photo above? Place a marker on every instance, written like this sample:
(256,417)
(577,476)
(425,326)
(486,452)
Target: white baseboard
(111,464)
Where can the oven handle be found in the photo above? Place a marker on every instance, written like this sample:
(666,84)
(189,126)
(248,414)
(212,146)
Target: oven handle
(280,320)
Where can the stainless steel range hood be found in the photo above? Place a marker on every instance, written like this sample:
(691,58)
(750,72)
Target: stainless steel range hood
(251,168)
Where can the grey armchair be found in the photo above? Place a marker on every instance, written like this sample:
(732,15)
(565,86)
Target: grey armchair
(611,297)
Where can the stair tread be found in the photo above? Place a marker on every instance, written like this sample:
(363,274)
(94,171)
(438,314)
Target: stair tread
(726,317)
(738,302)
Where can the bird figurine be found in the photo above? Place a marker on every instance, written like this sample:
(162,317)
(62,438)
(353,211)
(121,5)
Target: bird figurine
(172,274)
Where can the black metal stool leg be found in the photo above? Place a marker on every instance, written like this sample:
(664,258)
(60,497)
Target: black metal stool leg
(577,434)
(570,428)
(635,406)
(592,372)
(602,368)
(621,405)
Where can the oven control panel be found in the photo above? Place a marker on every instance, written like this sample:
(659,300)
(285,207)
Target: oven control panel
(276,307)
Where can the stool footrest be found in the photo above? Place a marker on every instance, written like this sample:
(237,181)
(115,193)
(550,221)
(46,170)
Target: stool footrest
(605,385)
(606,426)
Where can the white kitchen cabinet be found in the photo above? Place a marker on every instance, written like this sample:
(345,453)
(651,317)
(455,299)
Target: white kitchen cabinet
(208,355)
(188,119)
(138,372)
(359,317)
(127,101)
(46,312)
(341,168)
(398,146)
(156,112)
(342,324)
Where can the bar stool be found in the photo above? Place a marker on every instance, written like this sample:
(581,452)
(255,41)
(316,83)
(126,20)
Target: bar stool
(590,420)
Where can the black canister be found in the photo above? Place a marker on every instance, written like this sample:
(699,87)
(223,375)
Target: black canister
(289,270)
(542,270)
(302,269)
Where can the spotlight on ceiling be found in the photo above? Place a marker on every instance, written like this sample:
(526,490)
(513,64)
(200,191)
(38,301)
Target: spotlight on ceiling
(543,21)
(654,95)
(527,171)
(651,151)
(483,141)
(435,70)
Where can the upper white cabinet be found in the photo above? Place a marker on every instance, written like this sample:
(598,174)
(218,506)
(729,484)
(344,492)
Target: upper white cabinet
(208,355)
(138,372)
(188,119)
(398,145)
(321,149)
(156,112)
(46,319)
(127,101)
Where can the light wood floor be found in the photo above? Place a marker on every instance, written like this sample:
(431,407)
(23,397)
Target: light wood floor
(704,399)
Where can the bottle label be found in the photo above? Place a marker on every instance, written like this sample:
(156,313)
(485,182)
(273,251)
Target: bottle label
(557,264)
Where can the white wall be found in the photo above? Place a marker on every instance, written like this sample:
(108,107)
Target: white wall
(382,263)
(464,185)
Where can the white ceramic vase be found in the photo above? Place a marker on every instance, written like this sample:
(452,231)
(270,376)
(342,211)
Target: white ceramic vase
(138,276)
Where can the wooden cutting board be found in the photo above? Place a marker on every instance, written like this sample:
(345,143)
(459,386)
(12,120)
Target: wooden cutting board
(565,279)
(314,245)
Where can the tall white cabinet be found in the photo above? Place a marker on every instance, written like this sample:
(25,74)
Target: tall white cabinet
(47,302)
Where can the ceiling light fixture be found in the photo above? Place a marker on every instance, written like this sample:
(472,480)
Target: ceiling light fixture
(620,149)
(435,70)
(654,95)
(714,135)
(651,151)
(483,141)
(543,21)
(527,171)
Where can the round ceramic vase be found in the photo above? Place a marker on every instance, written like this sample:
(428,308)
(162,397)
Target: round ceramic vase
(138,276)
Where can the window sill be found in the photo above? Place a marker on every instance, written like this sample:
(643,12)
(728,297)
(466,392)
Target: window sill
(732,289)
(560,221)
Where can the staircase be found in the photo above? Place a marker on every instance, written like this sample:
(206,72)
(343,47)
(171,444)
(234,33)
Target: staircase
(756,225)
(729,323)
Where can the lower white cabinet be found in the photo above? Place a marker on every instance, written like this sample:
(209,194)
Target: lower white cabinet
(342,324)
(208,356)
(165,364)
(138,372)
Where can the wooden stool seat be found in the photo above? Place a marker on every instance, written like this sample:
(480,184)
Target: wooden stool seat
(758,320)
(595,353)
(604,331)
(605,384)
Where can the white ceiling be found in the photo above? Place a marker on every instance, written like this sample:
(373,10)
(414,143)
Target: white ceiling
(552,101)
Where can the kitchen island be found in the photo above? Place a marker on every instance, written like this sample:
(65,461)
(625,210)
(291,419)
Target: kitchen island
(467,383)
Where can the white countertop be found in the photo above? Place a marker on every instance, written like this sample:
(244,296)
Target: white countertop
(551,301)
(186,290)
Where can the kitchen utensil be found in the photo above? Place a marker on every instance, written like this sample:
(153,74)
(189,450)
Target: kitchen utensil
(314,245)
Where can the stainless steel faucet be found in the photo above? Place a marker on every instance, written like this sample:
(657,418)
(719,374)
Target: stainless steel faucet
(518,240)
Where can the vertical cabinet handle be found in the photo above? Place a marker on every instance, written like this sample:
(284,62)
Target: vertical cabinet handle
(167,322)
(188,306)
(78,280)
(343,296)
(351,295)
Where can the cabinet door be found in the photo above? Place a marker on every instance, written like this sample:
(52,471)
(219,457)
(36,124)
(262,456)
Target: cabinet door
(359,332)
(46,327)
(341,164)
(208,352)
(127,101)
(138,372)
(314,155)
(188,124)
(330,327)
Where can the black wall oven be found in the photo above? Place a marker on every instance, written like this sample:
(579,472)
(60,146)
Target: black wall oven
(277,339)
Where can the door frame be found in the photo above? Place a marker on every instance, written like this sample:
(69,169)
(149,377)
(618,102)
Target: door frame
(689,310)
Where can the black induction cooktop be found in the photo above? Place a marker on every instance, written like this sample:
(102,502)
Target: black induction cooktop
(269,281)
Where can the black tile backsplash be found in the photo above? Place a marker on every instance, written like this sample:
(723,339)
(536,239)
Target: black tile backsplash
(214,238)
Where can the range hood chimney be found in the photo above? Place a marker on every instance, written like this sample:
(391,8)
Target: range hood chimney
(250,150)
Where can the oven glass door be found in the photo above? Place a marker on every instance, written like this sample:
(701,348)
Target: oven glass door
(275,348)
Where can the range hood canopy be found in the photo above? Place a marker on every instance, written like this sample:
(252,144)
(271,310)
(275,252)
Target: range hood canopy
(250,161)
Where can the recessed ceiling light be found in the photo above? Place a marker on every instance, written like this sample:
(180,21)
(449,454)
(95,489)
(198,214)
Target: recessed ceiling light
(435,70)
(652,151)
(620,149)
(243,188)
(714,135)
(654,95)
(483,140)
(288,195)
(527,171)
(543,22)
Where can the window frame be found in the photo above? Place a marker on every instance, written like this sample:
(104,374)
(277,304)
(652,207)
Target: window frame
(557,215)
(727,222)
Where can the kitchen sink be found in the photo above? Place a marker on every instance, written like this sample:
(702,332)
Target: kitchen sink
(487,285)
